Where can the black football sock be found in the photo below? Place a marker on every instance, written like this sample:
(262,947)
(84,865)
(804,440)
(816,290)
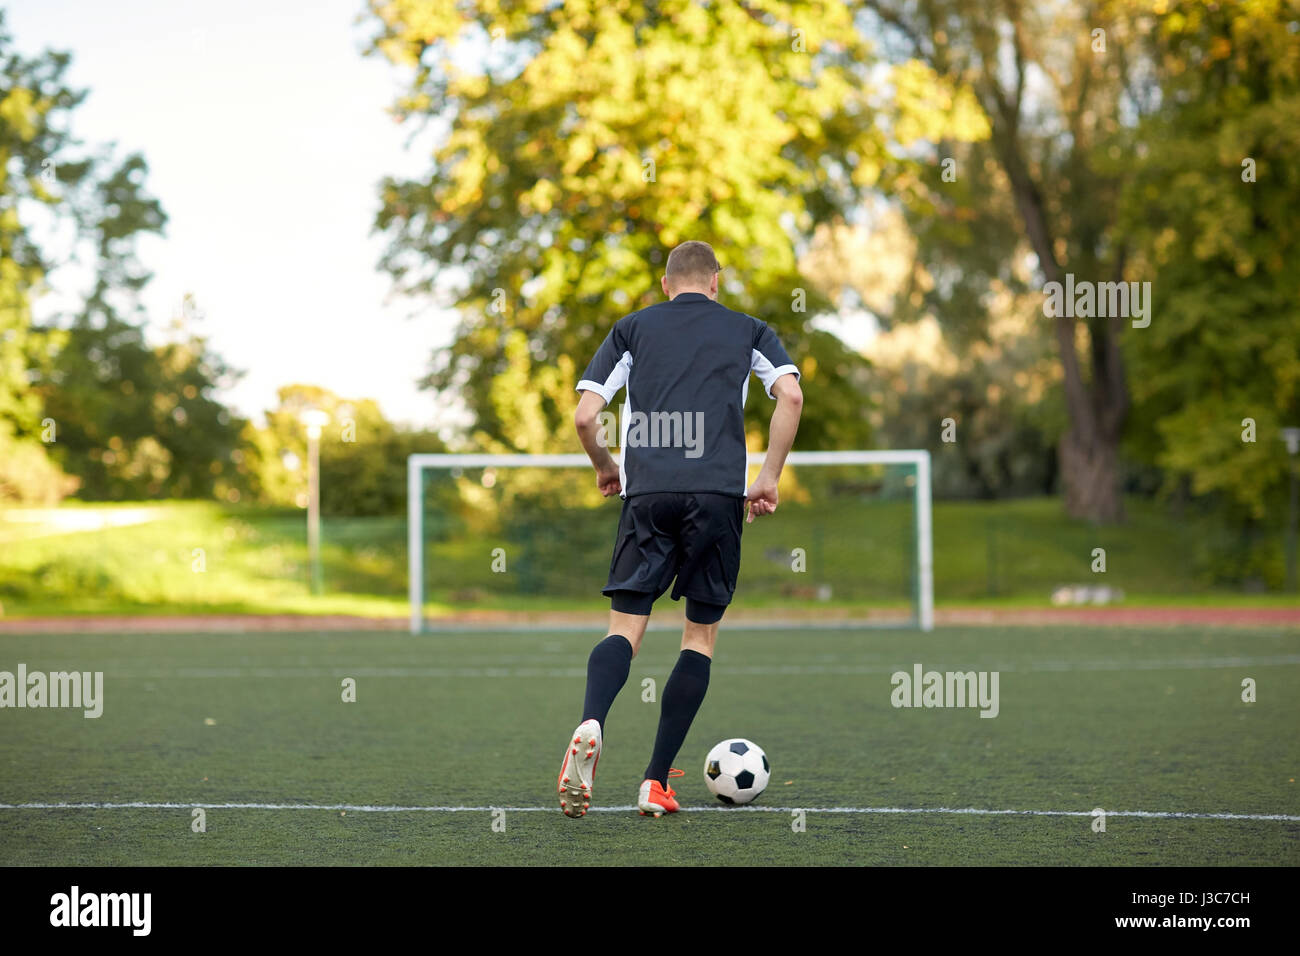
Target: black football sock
(682,697)
(607,670)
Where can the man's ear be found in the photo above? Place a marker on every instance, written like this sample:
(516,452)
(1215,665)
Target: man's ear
(663,281)
(713,286)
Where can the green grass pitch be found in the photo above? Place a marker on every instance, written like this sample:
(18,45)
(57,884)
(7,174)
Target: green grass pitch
(1121,719)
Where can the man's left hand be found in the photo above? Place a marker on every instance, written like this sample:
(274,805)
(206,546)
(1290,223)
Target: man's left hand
(608,482)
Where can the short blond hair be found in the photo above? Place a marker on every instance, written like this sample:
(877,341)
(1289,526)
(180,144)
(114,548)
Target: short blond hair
(692,262)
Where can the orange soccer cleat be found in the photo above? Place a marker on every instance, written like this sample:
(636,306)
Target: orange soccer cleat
(654,800)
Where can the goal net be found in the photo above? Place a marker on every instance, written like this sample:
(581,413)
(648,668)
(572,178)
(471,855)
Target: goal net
(503,541)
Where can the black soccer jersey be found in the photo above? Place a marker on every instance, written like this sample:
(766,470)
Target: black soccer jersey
(686,365)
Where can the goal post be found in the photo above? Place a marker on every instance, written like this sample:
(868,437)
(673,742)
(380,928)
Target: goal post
(839,512)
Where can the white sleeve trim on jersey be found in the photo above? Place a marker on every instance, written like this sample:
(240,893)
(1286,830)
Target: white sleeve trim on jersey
(768,373)
(617,379)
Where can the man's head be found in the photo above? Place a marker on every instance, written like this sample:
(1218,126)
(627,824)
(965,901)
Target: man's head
(692,267)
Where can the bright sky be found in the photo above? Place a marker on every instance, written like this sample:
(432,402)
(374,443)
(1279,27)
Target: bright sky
(266,133)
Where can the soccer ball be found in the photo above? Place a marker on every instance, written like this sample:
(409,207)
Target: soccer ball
(736,770)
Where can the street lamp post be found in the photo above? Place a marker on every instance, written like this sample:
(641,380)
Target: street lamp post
(315,420)
(1292,438)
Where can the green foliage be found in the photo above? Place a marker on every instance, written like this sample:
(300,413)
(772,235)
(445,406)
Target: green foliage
(64,387)
(1031,204)
(996,379)
(1221,252)
(140,421)
(33,104)
(1119,132)
(589,138)
(998,400)
(27,475)
(362,455)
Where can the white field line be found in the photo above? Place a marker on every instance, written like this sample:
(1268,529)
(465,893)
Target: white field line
(1203,663)
(371,808)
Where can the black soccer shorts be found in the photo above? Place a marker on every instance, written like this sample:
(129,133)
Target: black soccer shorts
(693,537)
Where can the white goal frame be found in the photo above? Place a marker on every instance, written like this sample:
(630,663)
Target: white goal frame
(417,464)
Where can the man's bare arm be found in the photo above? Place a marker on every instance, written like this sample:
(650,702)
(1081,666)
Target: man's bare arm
(586,420)
(762,493)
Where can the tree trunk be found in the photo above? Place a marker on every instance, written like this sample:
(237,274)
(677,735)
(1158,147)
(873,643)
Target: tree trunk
(1090,476)
(1088,452)
(1089,449)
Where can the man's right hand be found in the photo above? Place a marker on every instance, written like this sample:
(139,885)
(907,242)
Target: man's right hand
(761,498)
(762,494)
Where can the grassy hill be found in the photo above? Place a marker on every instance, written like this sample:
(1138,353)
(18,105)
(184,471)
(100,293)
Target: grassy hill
(202,557)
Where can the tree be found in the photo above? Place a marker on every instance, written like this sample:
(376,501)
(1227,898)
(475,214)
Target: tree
(32,99)
(983,398)
(48,180)
(1061,85)
(362,454)
(587,139)
(140,420)
(1212,213)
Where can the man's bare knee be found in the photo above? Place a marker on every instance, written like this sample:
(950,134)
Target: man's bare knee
(699,638)
(631,626)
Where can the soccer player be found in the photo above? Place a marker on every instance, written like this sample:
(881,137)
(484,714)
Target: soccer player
(686,365)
